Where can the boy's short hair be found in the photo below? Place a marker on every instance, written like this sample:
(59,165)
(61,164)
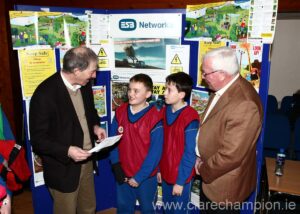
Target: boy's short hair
(145,79)
(182,81)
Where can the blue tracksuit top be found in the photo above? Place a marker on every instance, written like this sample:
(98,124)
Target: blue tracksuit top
(189,156)
(153,157)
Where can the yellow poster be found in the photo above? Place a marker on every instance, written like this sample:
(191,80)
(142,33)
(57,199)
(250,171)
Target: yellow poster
(35,66)
(159,89)
(204,47)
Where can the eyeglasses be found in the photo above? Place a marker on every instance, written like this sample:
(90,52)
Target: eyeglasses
(207,74)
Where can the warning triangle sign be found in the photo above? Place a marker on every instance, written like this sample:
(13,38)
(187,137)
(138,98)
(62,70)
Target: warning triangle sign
(176,60)
(102,53)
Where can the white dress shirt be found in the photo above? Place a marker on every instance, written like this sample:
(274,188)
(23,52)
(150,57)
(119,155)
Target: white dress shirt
(217,96)
(69,85)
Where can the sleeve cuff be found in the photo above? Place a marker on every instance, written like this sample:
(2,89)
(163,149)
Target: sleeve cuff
(118,172)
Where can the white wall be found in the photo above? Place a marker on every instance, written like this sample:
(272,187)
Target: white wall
(285,59)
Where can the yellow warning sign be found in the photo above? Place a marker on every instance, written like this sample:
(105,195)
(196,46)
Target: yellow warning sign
(102,53)
(103,63)
(176,69)
(176,60)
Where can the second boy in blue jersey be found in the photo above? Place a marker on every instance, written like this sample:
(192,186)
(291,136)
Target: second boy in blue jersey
(181,123)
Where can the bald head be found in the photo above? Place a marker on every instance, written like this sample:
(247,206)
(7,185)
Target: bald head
(78,58)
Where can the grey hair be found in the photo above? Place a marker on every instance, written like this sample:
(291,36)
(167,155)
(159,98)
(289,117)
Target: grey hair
(79,57)
(225,59)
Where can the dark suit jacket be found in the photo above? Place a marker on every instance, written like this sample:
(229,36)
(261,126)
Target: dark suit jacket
(54,127)
(227,144)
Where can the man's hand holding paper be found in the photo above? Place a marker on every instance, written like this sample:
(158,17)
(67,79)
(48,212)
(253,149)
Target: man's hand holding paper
(106,143)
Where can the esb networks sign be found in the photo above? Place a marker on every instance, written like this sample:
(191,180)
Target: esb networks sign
(145,25)
(127,24)
(130,25)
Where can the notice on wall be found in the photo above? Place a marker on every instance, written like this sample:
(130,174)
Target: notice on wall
(105,54)
(262,20)
(35,67)
(141,55)
(99,25)
(249,56)
(177,58)
(226,21)
(159,88)
(24,28)
(204,47)
(199,100)
(99,93)
(55,29)
(118,94)
(38,171)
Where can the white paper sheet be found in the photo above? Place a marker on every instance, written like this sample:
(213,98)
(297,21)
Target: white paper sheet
(106,143)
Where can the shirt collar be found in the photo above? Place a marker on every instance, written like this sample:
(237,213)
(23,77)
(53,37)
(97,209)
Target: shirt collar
(222,90)
(69,85)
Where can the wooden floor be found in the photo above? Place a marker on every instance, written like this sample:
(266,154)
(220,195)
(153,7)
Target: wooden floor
(22,204)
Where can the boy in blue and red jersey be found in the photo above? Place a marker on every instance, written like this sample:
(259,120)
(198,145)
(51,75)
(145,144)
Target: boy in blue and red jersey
(135,160)
(181,123)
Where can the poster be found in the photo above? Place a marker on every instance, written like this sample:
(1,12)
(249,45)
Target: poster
(262,20)
(99,25)
(35,66)
(24,28)
(159,88)
(142,55)
(62,52)
(51,29)
(76,29)
(38,174)
(199,100)
(55,29)
(105,54)
(177,58)
(99,93)
(140,43)
(118,94)
(62,29)
(204,47)
(158,94)
(217,21)
(250,58)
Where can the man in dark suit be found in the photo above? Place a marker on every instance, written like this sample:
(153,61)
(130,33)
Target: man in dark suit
(63,126)
(228,133)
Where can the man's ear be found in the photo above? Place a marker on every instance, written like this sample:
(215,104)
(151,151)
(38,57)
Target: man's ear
(75,71)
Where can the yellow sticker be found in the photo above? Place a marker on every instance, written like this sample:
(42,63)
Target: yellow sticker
(266,35)
(176,60)
(102,53)
(176,69)
(159,89)
(103,63)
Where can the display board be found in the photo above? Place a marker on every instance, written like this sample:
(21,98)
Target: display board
(127,42)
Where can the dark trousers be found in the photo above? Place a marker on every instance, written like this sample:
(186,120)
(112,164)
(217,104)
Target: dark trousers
(209,207)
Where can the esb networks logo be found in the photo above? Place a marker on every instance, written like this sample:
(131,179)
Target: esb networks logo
(127,24)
